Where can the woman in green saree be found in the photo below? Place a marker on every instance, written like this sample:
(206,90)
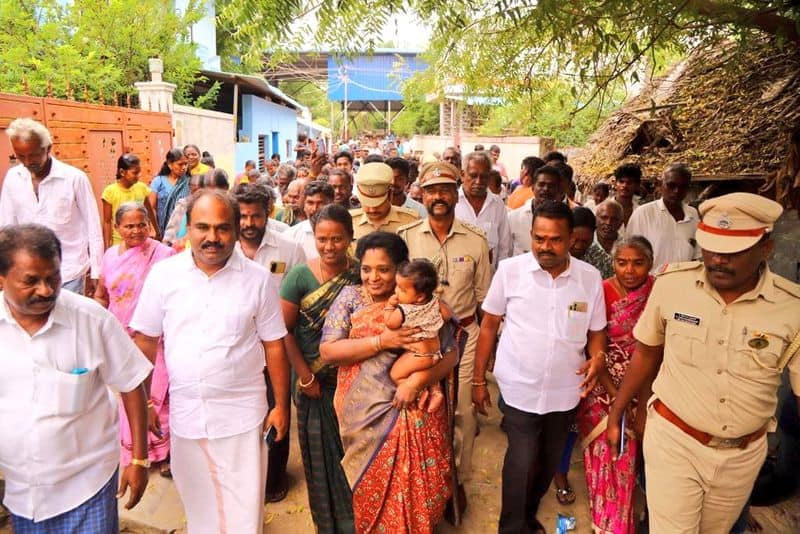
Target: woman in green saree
(306,294)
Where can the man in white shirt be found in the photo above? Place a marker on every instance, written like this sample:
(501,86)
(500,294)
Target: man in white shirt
(49,192)
(59,445)
(219,315)
(541,359)
(669,223)
(318,194)
(278,253)
(482,208)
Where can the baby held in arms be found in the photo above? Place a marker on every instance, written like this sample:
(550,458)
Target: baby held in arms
(414,305)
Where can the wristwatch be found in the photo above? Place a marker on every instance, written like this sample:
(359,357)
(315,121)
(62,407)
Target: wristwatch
(141,463)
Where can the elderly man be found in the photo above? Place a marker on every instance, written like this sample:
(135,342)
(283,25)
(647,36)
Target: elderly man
(283,177)
(292,212)
(342,184)
(400,169)
(452,156)
(460,253)
(59,447)
(317,194)
(609,214)
(539,361)
(713,340)
(482,208)
(377,212)
(584,246)
(547,185)
(45,190)
(669,223)
(219,315)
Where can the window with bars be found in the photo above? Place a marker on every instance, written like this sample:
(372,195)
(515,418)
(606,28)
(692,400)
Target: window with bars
(262,153)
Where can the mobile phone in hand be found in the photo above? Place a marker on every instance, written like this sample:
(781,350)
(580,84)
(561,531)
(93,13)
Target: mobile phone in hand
(269,436)
(622,436)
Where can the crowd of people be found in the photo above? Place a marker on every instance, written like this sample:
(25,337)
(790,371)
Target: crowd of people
(381,295)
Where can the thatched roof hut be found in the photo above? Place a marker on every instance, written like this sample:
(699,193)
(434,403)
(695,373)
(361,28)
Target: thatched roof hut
(729,113)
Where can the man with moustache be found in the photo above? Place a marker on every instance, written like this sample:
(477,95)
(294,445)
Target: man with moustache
(47,191)
(278,253)
(400,169)
(713,341)
(317,195)
(452,156)
(292,212)
(221,321)
(547,185)
(541,368)
(460,253)
(669,223)
(61,353)
(342,184)
(482,208)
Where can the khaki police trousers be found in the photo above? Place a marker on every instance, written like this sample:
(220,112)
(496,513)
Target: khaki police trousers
(692,488)
(466,423)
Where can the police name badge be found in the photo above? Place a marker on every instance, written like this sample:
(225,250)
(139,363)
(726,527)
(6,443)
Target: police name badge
(686,318)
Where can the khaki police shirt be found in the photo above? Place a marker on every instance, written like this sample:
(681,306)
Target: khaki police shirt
(397,217)
(719,370)
(462,260)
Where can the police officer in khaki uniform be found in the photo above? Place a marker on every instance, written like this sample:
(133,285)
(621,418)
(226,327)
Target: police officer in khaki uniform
(715,335)
(461,255)
(377,212)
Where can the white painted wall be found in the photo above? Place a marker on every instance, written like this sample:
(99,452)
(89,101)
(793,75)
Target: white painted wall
(210,130)
(513,149)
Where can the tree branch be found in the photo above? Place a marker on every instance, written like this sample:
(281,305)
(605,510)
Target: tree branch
(764,20)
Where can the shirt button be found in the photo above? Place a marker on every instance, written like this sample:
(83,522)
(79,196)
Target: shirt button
(725,312)
(722,401)
(724,427)
(719,371)
(721,341)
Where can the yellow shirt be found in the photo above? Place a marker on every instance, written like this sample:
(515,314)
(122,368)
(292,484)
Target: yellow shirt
(116,195)
(462,261)
(719,370)
(201,168)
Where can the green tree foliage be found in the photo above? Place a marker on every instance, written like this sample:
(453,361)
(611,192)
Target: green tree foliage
(515,49)
(95,47)
(418,117)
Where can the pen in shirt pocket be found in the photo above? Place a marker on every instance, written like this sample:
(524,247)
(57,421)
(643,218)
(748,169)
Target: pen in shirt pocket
(79,371)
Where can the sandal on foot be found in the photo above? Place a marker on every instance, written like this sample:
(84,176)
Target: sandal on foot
(565,496)
(164,469)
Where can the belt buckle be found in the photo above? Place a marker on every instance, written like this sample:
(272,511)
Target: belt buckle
(728,443)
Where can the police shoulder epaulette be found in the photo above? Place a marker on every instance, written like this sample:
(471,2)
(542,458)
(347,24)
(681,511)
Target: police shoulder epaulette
(407,211)
(474,229)
(679,266)
(786,285)
(409,225)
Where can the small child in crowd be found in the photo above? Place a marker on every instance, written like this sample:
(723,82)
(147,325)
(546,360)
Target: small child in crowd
(415,305)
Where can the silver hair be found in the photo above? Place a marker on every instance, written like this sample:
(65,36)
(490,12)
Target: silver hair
(127,207)
(26,129)
(611,203)
(638,242)
(290,171)
(480,155)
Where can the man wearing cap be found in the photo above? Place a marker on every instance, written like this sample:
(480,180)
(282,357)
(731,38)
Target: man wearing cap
(460,252)
(715,335)
(377,212)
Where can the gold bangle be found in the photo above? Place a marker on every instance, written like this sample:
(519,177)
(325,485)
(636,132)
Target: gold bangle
(150,403)
(376,343)
(311,381)
(478,384)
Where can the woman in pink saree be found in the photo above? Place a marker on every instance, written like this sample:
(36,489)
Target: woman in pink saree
(124,269)
(611,480)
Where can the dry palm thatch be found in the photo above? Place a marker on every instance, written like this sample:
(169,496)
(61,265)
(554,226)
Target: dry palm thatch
(732,111)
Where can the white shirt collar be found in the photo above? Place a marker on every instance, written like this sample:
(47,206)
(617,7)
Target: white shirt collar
(534,266)
(235,262)
(688,214)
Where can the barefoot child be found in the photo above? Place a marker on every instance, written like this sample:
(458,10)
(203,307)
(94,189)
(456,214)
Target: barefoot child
(415,305)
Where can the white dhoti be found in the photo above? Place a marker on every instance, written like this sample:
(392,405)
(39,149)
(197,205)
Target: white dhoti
(221,482)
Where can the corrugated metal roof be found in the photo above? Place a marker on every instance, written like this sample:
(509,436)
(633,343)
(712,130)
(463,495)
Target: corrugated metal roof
(253,85)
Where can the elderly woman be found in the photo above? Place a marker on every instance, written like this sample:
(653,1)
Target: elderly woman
(397,449)
(307,293)
(611,480)
(122,274)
